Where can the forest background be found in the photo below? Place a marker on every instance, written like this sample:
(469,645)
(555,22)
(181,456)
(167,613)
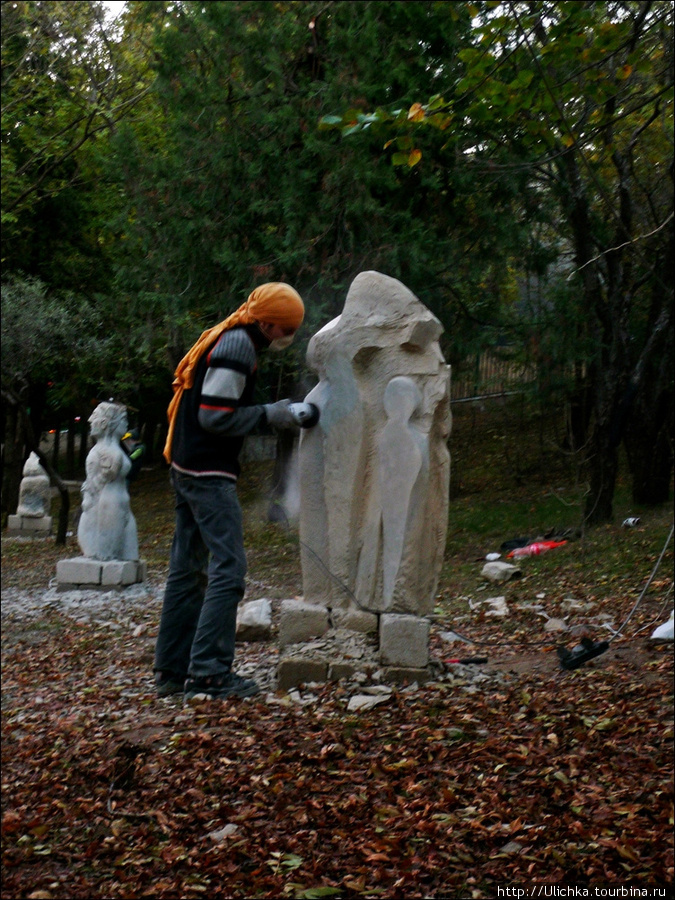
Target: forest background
(511,163)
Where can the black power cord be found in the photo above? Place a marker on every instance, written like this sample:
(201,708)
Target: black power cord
(569,659)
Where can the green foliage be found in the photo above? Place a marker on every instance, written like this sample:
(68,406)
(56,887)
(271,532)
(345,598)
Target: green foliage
(44,337)
(239,186)
(577,99)
(508,162)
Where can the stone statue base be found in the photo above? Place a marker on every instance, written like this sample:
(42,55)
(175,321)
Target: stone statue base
(29,526)
(319,644)
(84,574)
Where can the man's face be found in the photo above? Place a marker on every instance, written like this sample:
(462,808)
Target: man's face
(279,336)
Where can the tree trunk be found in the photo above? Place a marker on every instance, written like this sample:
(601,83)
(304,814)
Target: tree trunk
(56,450)
(652,469)
(649,446)
(13,461)
(603,463)
(70,449)
(579,406)
(84,445)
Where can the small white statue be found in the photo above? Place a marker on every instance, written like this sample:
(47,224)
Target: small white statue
(107,528)
(34,493)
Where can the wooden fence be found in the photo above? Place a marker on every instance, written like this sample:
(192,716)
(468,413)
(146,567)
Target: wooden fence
(486,375)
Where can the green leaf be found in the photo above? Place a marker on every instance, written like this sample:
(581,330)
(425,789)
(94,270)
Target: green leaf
(327,122)
(318,892)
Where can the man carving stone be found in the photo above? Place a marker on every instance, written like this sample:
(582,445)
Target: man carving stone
(209,416)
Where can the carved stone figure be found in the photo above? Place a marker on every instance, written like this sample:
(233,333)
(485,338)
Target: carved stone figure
(107,528)
(374,473)
(34,493)
(404,484)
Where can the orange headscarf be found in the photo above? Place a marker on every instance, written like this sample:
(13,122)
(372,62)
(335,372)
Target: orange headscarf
(274,303)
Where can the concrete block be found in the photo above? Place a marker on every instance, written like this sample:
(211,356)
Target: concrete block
(300,622)
(83,573)
(117,572)
(292,672)
(355,620)
(79,570)
(404,641)
(38,524)
(340,670)
(29,526)
(405,674)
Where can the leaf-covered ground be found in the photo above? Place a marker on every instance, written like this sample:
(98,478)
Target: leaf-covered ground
(448,790)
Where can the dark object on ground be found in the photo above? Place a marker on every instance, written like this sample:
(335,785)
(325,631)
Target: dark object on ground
(515,543)
(220,687)
(585,651)
(553,534)
(467,659)
(168,683)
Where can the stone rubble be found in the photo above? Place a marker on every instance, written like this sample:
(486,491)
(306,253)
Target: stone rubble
(348,659)
(500,571)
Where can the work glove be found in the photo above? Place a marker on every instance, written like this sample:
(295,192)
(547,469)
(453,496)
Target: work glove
(279,414)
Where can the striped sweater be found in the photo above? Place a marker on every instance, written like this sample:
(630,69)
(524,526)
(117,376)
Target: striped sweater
(217,412)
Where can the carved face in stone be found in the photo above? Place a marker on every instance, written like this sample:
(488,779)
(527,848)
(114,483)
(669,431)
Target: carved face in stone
(109,420)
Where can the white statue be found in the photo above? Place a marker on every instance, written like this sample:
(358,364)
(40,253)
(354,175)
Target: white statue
(374,473)
(107,528)
(404,481)
(34,493)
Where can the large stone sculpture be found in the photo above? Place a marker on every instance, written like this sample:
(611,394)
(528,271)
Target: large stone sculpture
(374,473)
(32,515)
(107,528)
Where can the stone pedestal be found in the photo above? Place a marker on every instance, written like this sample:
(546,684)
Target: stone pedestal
(29,526)
(404,641)
(319,645)
(84,574)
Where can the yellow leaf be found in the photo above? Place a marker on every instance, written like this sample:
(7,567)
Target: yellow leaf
(416,112)
(414,158)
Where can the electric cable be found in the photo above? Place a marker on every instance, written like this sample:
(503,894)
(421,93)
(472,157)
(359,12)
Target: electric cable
(473,641)
(616,633)
(658,615)
(644,589)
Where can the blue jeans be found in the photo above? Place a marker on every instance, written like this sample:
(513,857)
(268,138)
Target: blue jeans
(198,624)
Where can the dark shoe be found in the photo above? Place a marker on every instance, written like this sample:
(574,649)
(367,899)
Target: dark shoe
(168,683)
(220,686)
